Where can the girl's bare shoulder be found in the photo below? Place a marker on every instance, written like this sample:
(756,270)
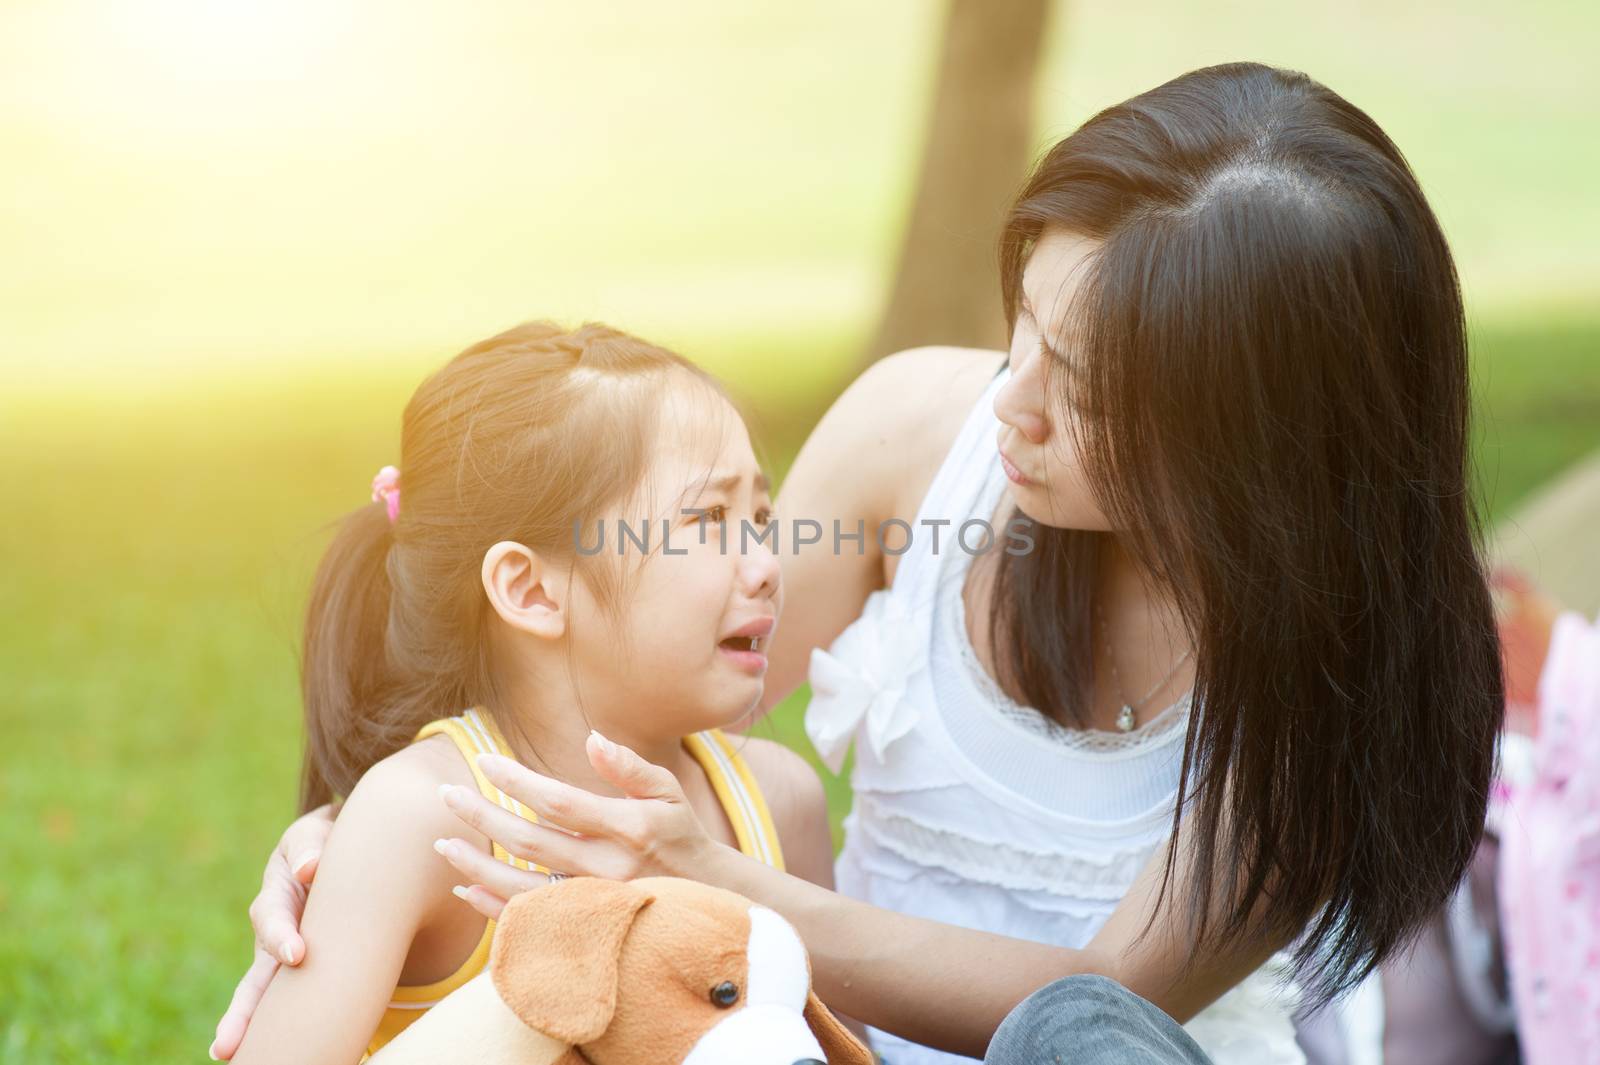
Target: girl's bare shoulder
(401,793)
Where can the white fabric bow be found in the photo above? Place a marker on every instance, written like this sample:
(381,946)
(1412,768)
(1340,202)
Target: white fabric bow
(864,676)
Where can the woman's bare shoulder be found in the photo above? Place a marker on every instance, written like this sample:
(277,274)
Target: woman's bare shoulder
(928,390)
(906,410)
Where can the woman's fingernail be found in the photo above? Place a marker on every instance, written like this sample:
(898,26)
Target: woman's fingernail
(301,862)
(460,892)
(445,791)
(442,846)
(211,1051)
(286,952)
(605,744)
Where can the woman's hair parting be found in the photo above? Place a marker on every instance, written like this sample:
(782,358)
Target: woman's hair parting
(1266,363)
(521,437)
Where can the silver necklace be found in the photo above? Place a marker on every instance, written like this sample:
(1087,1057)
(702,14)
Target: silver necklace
(1127,716)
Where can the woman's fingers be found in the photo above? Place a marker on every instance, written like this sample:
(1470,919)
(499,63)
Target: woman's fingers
(521,837)
(553,801)
(482,900)
(650,832)
(622,767)
(246,997)
(304,839)
(275,916)
(275,911)
(304,868)
(483,869)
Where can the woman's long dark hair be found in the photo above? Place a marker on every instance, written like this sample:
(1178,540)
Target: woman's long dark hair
(1271,362)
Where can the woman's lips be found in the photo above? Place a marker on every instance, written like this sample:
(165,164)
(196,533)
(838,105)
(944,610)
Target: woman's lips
(1012,471)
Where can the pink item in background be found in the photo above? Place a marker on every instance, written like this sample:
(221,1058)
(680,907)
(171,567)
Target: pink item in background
(1550,860)
(1524,618)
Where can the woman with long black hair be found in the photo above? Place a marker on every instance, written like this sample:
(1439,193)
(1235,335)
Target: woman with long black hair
(1230,715)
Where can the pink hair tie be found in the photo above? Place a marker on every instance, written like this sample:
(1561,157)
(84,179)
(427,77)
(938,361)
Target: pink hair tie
(386,490)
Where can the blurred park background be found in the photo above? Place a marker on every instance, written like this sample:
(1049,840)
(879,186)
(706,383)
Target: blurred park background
(237,233)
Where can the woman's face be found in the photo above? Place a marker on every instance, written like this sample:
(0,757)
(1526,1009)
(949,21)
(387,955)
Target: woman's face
(675,653)
(1037,451)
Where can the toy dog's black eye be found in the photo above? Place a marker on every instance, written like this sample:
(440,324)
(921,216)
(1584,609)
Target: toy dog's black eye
(724,994)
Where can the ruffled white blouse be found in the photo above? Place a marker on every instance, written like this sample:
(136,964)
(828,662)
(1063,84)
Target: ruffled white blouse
(975,811)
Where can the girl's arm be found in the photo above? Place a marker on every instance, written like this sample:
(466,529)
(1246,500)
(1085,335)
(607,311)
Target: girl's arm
(798,805)
(379,883)
(937,984)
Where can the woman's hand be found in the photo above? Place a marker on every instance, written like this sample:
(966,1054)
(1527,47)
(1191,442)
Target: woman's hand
(275,915)
(652,831)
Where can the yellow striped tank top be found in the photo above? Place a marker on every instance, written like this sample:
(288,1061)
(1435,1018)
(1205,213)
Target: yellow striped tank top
(475,733)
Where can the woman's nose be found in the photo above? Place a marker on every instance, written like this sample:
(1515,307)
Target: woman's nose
(1017,405)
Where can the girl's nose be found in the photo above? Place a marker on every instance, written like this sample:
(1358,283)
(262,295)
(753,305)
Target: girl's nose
(759,572)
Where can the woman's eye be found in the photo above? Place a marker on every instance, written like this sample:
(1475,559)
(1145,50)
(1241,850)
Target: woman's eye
(715,514)
(764,517)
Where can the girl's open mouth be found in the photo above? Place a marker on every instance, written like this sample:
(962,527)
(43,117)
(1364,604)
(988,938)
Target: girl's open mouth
(746,652)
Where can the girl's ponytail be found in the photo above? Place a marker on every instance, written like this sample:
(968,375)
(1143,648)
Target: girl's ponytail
(344,661)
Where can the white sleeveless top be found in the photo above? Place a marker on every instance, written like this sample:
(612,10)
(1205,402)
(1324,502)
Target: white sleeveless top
(974,811)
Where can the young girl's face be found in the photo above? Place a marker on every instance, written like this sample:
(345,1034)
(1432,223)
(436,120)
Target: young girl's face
(689,649)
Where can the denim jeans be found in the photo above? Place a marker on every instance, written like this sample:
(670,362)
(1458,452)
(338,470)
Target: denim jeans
(1090,1020)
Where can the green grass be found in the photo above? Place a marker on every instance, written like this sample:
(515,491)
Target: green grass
(156,557)
(1537,382)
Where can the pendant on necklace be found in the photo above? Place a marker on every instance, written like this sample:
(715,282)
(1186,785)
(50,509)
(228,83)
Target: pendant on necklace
(1125,719)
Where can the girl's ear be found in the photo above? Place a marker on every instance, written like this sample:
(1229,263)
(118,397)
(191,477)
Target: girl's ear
(523,589)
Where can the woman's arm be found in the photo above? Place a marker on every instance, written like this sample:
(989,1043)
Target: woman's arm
(870,458)
(934,983)
(380,883)
(950,987)
(799,809)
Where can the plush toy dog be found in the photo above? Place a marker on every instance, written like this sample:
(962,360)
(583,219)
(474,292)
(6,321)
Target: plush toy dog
(656,971)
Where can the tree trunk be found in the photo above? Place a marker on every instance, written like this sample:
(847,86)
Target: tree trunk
(980,143)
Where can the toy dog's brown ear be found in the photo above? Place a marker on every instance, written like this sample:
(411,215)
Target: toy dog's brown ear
(839,1044)
(554,959)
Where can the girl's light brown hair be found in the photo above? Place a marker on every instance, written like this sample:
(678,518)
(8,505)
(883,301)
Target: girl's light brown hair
(521,437)
(1269,365)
